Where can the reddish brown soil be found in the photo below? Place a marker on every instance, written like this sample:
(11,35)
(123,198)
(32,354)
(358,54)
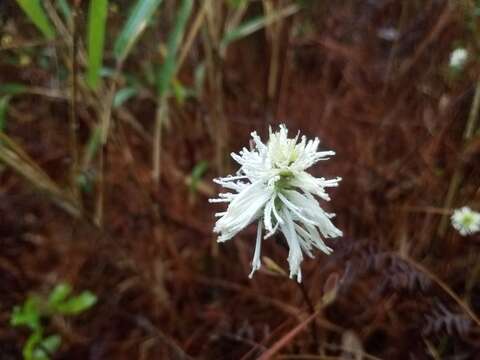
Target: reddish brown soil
(166,289)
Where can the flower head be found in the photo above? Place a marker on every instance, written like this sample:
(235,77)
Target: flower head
(466,221)
(458,58)
(273,188)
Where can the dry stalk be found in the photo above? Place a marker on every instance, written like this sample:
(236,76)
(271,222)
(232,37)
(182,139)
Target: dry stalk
(197,24)
(457,177)
(73,109)
(273,34)
(13,156)
(160,118)
(444,287)
(211,43)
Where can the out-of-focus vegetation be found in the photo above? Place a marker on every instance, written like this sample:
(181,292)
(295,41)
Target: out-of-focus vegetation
(34,310)
(114,116)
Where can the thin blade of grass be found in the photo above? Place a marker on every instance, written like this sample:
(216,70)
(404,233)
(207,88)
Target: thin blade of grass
(12,88)
(64,8)
(164,78)
(97,19)
(136,23)
(16,88)
(123,95)
(14,157)
(197,173)
(7,91)
(250,26)
(4,101)
(168,68)
(37,15)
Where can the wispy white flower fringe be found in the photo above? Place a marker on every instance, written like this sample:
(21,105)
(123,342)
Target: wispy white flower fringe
(273,188)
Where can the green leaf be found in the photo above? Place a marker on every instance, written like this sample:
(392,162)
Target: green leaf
(123,95)
(86,180)
(27,315)
(97,19)
(168,68)
(12,88)
(77,304)
(37,348)
(243,30)
(136,23)
(51,343)
(30,350)
(4,101)
(197,173)
(179,91)
(59,294)
(37,15)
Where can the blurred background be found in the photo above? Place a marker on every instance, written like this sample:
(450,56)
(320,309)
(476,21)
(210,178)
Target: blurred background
(116,115)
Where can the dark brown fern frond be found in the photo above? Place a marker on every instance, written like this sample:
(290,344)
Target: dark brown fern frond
(441,319)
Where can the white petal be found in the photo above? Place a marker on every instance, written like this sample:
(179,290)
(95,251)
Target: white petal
(313,210)
(245,208)
(267,214)
(256,262)
(295,209)
(258,142)
(295,256)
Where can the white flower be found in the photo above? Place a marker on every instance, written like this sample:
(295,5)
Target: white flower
(273,187)
(458,58)
(466,221)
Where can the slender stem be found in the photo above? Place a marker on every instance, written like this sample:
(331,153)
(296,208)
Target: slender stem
(444,287)
(471,281)
(457,177)
(73,110)
(473,115)
(105,115)
(311,310)
(160,119)
(98,217)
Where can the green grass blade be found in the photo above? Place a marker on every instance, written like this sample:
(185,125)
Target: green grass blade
(244,29)
(250,26)
(12,88)
(51,344)
(168,68)
(78,304)
(197,173)
(123,95)
(59,294)
(37,15)
(7,91)
(136,23)
(97,19)
(4,100)
(64,8)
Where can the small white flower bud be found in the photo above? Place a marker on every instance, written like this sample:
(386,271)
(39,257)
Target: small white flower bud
(466,221)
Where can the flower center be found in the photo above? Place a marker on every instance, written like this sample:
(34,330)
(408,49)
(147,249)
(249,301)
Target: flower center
(467,220)
(284,180)
(282,152)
